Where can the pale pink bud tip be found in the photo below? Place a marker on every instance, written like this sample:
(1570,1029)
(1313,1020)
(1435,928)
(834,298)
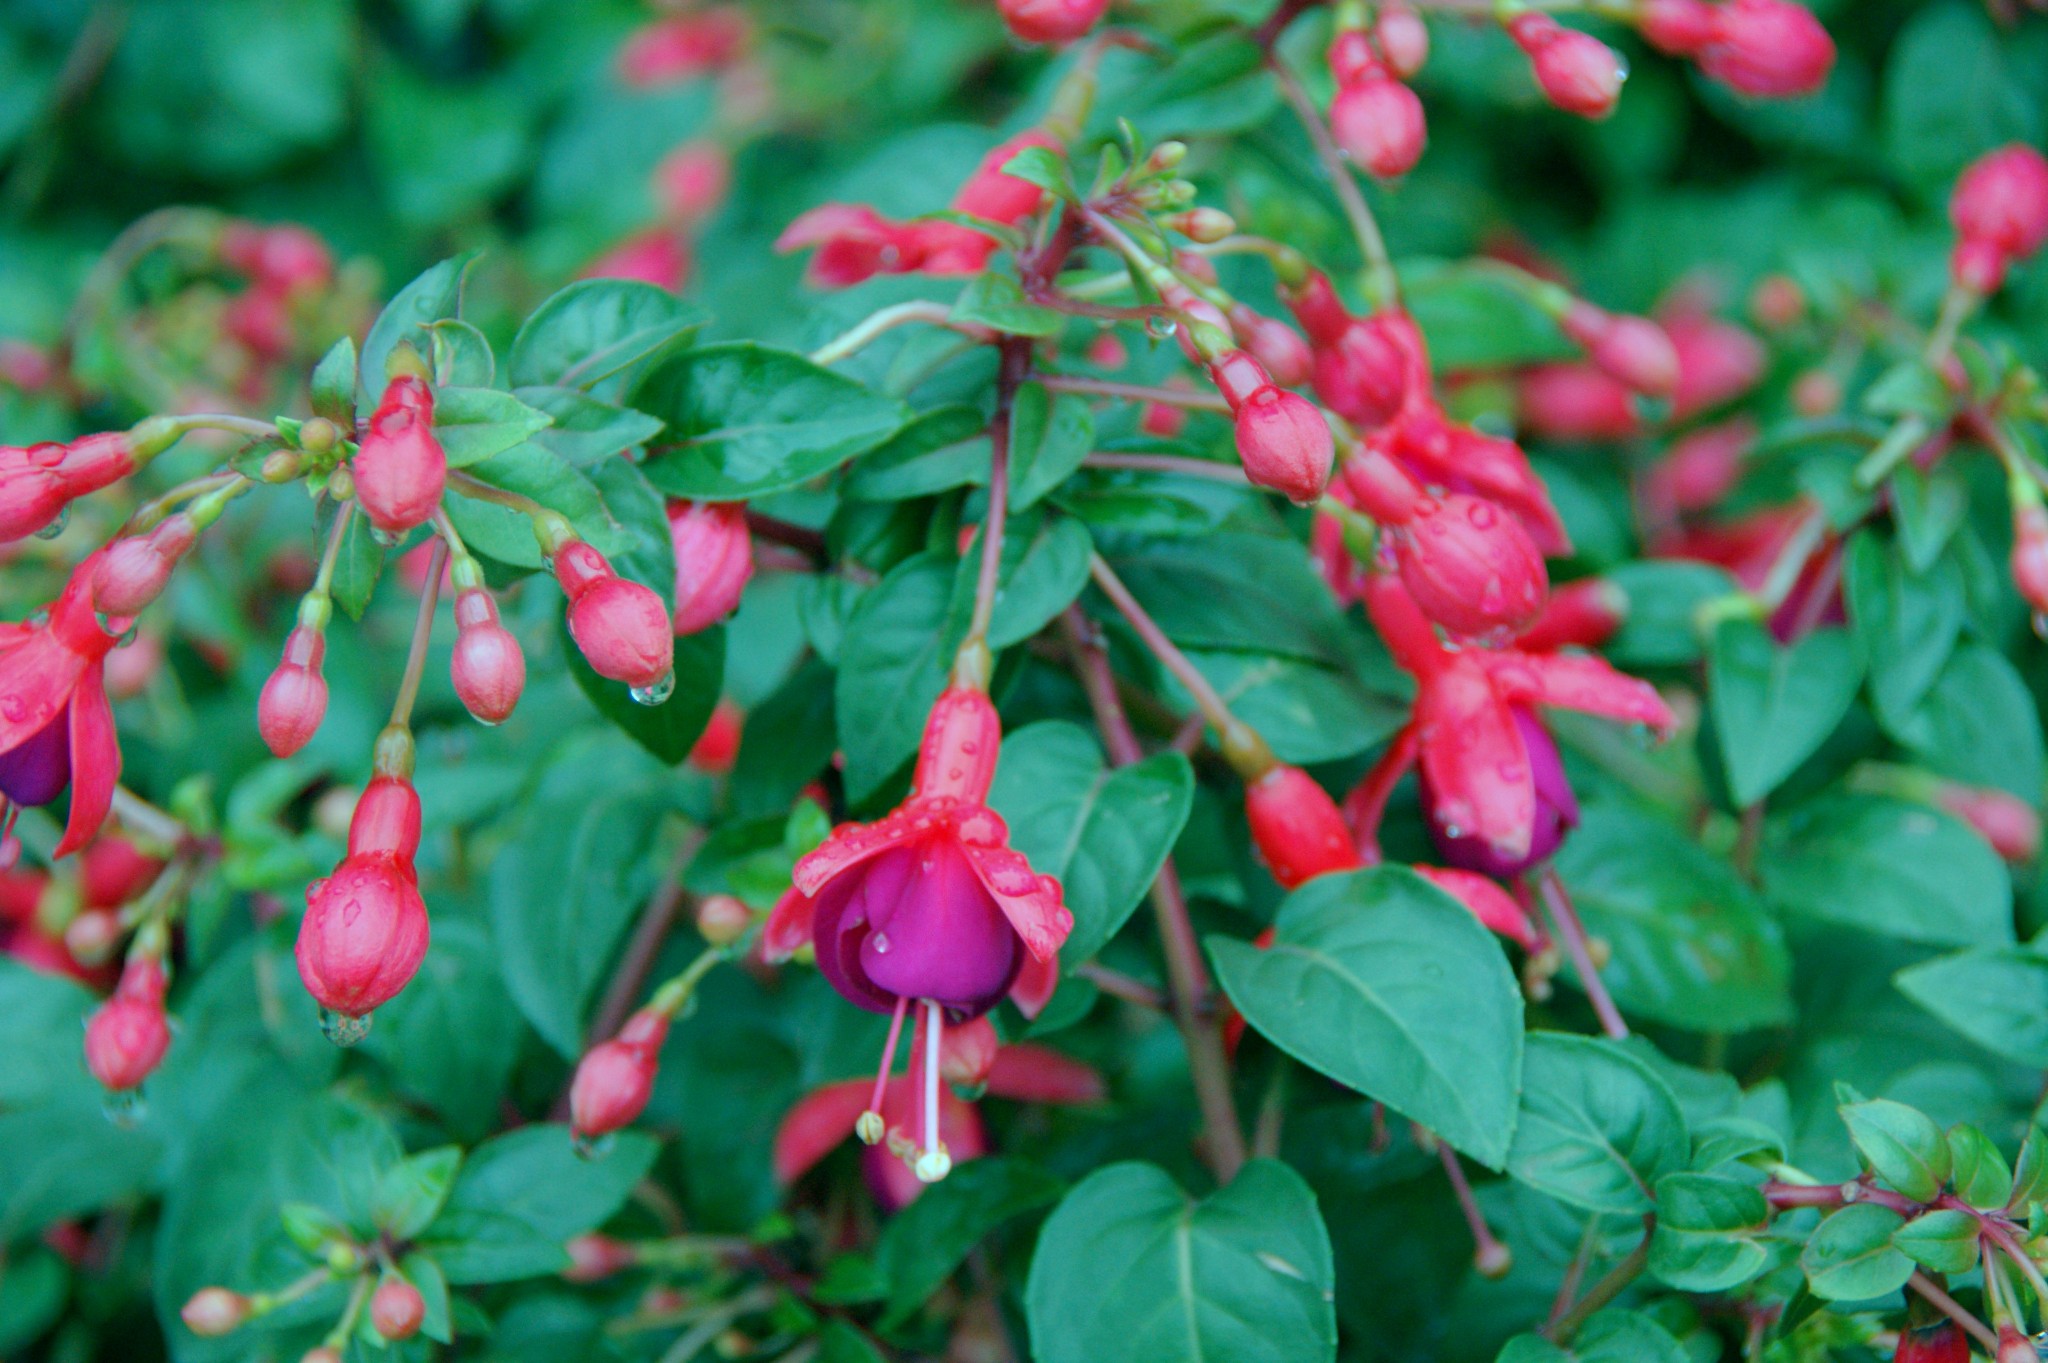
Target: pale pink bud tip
(2030,554)
(615,1079)
(294,700)
(723,919)
(487,666)
(214,1311)
(1284,444)
(396,1309)
(1051,21)
(2008,823)
(1379,123)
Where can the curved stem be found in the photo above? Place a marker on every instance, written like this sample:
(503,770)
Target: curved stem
(1564,921)
(1136,392)
(254,427)
(1210,469)
(422,632)
(1016,365)
(1379,266)
(1606,1290)
(323,580)
(876,324)
(1953,1309)
(164,227)
(1206,697)
(475,488)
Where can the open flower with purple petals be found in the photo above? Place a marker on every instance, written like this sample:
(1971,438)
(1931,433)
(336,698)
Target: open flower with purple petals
(56,728)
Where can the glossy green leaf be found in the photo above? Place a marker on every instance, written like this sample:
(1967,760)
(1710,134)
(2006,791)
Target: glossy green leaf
(1243,1275)
(1774,705)
(1049,436)
(891,669)
(1707,1232)
(924,1244)
(1597,1128)
(1996,996)
(1850,1255)
(1903,1146)
(596,328)
(521,1195)
(1390,986)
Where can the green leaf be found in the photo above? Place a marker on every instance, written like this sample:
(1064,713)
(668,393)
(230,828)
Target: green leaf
(1129,1268)
(1888,866)
(585,431)
(412,1192)
(423,1271)
(1049,436)
(1387,984)
(434,295)
(997,302)
(1664,597)
(1850,1257)
(1044,567)
(1610,1336)
(942,449)
(1978,723)
(34,1286)
(1981,1176)
(1995,996)
(1927,509)
(1043,167)
(334,384)
(1949,95)
(520,1195)
(596,328)
(1597,1127)
(1103,834)
(1692,946)
(926,1241)
(1235,591)
(1906,621)
(611,506)
(1774,706)
(462,356)
(668,730)
(1306,712)
(357,565)
(473,424)
(1903,1146)
(2030,1170)
(745,420)
(1707,1232)
(1473,319)
(891,670)
(1944,1241)
(577,868)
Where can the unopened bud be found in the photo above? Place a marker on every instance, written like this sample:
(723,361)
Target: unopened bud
(214,1311)
(723,919)
(396,1308)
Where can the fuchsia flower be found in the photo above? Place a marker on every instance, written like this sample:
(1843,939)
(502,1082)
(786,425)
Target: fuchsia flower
(1634,351)
(855,243)
(1493,788)
(819,1121)
(365,930)
(1282,440)
(56,728)
(1376,120)
(928,906)
(38,481)
(1576,71)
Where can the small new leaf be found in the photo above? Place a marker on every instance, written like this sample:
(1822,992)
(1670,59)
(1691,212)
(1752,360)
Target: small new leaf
(1042,167)
(1903,1145)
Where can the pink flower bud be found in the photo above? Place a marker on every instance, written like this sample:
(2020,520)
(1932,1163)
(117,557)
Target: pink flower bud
(993,193)
(1633,350)
(260,318)
(33,490)
(1352,59)
(487,667)
(1380,125)
(718,746)
(2002,198)
(1777,302)
(1470,566)
(714,560)
(1107,351)
(396,1308)
(1363,376)
(92,937)
(1276,345)
(1283,442)
(595,1256)
(294,700)
(1402,37)
(214,1311)
(286,258)
(967,1050)
(2015,1347)
(657,256)
(1978,266)
(685,45)
(1576,71)
(128,1035)
(1296,827)
(2030,553)
(323,1354)
(26,367)
(621,627)
(1051,21)
(134,570)
(962,737)
(1717,361)
(1576,402)
(691,181)
(615,1079)
(1769,48)
(2008,823)
(365,930)
(400,468)
(1678,28)
(1163,419)
(723,919)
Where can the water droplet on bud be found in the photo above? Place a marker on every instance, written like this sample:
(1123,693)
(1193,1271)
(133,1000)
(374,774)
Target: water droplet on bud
(125,1108)
(593,1147)
(656,693)
(387,538)
(342,1029)
(56,525)
(880,942)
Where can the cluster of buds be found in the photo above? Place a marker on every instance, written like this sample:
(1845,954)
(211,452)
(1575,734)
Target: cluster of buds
(1770,49)
(69,919)
(1051,21)
(2000,211)
(854,243)
(1376,119)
